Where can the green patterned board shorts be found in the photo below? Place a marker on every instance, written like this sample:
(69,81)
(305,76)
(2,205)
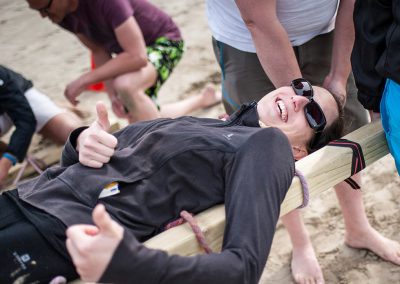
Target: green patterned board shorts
(164,54)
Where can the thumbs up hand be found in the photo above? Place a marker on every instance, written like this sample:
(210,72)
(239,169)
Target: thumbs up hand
(95,145)
(92,247)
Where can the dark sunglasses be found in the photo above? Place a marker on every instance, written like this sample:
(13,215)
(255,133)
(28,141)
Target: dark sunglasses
(45,10)
(313,112)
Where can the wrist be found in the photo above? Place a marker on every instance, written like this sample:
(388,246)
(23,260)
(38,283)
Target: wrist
(339,75)
(85,79)
(10,158)
(75,136)
(5,166)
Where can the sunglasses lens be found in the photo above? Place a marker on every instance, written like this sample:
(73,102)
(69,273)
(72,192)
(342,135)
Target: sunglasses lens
(315,116)
(302,88)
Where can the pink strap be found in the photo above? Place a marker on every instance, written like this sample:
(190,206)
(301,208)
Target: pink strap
(304,185)
(187,217)
(37,164)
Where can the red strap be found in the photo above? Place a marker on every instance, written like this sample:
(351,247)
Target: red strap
(358,162)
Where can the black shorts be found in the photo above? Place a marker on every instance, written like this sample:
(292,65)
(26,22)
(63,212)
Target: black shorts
(26,254)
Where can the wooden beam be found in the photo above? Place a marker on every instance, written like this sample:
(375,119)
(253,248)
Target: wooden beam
(181,240)
(322,170)
(330,165)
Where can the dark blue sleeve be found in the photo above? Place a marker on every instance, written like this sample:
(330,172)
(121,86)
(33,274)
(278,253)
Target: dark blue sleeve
(14,103)
(372,19)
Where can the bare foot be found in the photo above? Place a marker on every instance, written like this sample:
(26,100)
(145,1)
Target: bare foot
(305,266)
(209,96)
(371,239)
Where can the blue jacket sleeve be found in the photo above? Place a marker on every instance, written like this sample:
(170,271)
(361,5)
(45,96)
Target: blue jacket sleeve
(14,103)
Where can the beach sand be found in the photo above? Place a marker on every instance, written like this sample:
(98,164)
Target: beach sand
(52,57)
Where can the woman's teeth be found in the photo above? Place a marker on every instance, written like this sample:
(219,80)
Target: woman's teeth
(283,110)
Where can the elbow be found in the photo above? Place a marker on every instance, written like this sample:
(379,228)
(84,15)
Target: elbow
(263,22)
(250,23)
(260,26)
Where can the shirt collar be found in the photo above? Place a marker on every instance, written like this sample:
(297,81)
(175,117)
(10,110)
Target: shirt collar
(247,115)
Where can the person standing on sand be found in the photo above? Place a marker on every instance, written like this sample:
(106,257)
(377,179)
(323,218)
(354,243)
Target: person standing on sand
(376,64)
(264,44)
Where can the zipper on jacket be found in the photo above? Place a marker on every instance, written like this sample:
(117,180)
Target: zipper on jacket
(243,109)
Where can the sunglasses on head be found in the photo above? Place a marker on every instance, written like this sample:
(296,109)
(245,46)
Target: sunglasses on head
(313,112)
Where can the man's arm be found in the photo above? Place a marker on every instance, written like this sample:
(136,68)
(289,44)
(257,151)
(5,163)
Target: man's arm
(16,106)
(343,42)
(133,57)
(272,43)
(20,112)
(101,57)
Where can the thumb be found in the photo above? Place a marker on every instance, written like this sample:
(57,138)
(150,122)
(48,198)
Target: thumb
(103,220)
(102,116)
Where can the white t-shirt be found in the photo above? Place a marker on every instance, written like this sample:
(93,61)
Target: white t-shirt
(302,20)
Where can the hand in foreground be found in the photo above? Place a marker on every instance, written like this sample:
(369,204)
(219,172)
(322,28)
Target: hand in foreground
(95,145)
(92,247)
(73,90)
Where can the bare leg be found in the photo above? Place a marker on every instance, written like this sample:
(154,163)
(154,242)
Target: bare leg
(141,107)
(305,266)
(130,88)
(208,97)
(59,127)
(359,233)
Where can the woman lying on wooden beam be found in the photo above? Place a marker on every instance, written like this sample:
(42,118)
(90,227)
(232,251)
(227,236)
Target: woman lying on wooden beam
(145,175)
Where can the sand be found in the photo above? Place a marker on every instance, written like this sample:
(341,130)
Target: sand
(52,57)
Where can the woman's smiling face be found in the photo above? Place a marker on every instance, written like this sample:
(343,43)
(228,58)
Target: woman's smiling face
(283,109)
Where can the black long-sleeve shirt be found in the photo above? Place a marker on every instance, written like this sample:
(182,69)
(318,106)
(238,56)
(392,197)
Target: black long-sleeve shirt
(375,55)
(14,103)
(166,166)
